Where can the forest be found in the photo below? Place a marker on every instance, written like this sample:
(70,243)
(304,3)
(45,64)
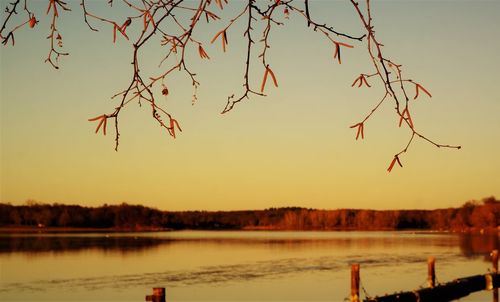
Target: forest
(472,215)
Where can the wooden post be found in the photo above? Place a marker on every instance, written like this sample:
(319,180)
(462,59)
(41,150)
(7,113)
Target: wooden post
(355,283)
(494,260)
(431,272)
(157,296)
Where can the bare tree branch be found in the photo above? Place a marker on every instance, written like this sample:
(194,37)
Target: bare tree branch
(173,25)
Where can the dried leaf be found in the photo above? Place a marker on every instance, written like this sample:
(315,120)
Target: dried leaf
(366,82)
(360,131)
(401,117)
(52,3)
(203,54)
(355,81)
(33,21)
(408,117)
(48,8)
(96,118)
(216,36)
(173,124)
(360,80)
(122,31)
(344,44)
(126,23)
(224,41)
(105,124)
(336,54)
(99,126)
(273,77)
(147,18)
(103,120)
(399,163)
(177,124)
(392,163)
(263,85)
(418,87)
(211,15)
(219,3)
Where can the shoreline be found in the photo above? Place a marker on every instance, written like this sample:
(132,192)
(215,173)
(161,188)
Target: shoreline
(73,230)
(34,229)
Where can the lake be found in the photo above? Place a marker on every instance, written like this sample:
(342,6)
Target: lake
(232,265)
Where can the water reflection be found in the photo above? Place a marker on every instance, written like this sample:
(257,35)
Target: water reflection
(476,245)
(471,245)
(32,244)
(278,265)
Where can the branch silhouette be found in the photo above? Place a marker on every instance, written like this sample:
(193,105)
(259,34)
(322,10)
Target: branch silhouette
(174,23)
(383,67)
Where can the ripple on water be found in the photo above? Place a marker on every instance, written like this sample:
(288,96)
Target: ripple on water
(220,274)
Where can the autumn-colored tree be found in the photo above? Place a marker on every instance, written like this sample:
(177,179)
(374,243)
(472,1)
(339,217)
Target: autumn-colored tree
(175,24)
(471,216)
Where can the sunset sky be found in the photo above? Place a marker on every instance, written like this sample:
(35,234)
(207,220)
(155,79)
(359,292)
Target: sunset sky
(291,148)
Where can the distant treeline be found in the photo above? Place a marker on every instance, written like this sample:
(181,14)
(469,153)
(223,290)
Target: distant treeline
(483,214)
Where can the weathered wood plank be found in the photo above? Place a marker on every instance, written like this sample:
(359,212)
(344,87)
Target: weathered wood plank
(449,291)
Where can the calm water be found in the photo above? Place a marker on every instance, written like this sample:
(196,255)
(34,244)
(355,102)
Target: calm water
(231,266)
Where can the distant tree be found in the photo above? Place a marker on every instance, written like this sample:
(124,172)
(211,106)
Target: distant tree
(31,202)
(443,219)
(365,219)
(15,217)
(482,217)
(64,218)
(491,201)
(466,212)
(174,24)
(78,217)
(46,216)
(472,215)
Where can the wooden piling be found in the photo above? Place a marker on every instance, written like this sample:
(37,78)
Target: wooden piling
(448,291)
(494,260)
(157,296)
(431,272)
(355,283)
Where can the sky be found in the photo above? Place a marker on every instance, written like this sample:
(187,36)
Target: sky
(293,147)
